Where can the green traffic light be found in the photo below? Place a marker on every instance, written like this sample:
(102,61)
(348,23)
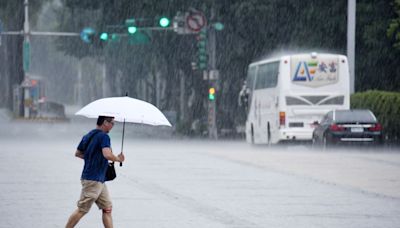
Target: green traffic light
(202,65)
(132,29)
(202,58)
(164,22)
(104,36)
(201,44)
(218,26)
(211,94)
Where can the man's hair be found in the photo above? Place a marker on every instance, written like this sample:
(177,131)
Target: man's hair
(101,119)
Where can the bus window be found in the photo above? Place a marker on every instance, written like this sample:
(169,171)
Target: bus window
(339,100)
(295,101)
(251,73)
(273,71)
(267,75)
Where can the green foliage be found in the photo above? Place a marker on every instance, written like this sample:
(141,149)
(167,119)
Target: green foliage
(393,31)
(377,62)
(386,107)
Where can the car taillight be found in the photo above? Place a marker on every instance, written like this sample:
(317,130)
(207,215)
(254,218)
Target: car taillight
(282,118)
(375,127)
(335,127)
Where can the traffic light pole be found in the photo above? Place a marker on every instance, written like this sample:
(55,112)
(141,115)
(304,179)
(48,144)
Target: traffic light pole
(26,57)
(213,82)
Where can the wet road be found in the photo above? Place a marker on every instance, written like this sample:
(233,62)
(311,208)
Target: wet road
(192,183)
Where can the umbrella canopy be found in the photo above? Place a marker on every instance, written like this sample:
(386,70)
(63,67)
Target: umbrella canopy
(125,109)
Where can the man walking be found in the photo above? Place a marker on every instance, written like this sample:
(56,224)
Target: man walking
(95,150)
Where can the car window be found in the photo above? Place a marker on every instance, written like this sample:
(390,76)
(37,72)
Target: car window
(362,116)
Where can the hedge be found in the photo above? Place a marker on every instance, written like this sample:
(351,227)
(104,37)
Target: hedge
(385,106)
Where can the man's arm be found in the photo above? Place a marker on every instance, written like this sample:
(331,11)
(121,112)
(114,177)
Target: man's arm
(79,154)
(108,154)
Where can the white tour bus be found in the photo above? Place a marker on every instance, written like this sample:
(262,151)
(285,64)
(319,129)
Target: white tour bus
(289,94)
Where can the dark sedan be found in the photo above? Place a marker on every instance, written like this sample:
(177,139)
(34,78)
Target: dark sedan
(348,126)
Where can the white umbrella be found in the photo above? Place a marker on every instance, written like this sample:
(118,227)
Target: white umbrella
(125,109)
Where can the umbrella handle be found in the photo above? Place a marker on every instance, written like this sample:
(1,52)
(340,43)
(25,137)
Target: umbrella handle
(120,164)
(123,135)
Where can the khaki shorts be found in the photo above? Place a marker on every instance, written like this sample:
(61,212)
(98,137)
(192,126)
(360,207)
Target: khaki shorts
(94,192)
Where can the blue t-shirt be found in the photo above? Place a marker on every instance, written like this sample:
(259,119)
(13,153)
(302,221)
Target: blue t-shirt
(95,163)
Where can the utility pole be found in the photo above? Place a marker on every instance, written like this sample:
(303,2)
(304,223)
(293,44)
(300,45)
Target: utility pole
(213,81)
(213,77)
(351,30)
(26,59)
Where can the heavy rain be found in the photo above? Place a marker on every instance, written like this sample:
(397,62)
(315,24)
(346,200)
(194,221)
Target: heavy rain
(234,113)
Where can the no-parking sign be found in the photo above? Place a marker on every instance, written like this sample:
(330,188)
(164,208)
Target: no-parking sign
(195,21)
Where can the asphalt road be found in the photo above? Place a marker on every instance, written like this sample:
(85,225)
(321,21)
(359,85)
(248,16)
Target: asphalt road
(197,183)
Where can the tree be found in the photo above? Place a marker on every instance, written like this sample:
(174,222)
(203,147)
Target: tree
(377,63)
(393,31)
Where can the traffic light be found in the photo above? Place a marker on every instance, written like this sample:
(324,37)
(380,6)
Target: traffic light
(164,22)
(202,49)
(131,25)
(90,36)
(179,23)
(115,37)
(218,26)
(87,35)
(211,93)
(104,36)
(132,29)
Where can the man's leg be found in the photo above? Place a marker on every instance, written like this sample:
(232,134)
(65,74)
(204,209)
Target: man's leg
(104,203)
(90,192)
(107,218)
(74,218)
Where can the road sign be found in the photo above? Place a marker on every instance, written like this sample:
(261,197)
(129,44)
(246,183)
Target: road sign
(196,21)
(26,56)
(214,75)
(26,83)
